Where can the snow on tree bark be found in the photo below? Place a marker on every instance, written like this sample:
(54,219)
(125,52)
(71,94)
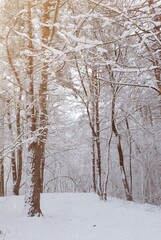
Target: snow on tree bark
(32,196)
(1,151)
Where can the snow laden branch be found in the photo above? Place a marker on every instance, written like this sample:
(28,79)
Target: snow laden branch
(131,85)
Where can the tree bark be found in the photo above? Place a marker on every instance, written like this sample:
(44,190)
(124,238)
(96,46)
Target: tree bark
(1,177)
(1,150)
(98,140)
(43,89)
(120,151)
(16,164)
(32,196)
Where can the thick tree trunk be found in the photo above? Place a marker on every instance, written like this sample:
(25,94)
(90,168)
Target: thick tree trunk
(16,186)
(32,196)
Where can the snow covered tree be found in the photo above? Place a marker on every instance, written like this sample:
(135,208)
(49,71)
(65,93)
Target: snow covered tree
(1,149)
(37,115)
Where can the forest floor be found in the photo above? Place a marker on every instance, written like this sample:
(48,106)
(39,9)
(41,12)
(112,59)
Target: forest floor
(79,216)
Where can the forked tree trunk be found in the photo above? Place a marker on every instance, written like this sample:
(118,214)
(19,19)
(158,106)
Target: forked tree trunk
(32,196)
(16,160)
(120,151)
(37,121)
(16,163)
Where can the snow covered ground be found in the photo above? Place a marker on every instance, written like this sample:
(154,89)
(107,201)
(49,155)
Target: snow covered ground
(79,216)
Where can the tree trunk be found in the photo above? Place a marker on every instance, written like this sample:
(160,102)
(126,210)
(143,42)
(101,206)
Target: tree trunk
(19,150)
(93,164)
(1,177)
(108,168)
(16,186)
(130,156)
(93,120)
(1,150)
(120,152)
(16,164)
(96,84)
(14,170)
(32,196)
(43,89)
(47,37)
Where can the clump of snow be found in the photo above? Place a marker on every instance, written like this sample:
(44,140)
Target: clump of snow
(79,216)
